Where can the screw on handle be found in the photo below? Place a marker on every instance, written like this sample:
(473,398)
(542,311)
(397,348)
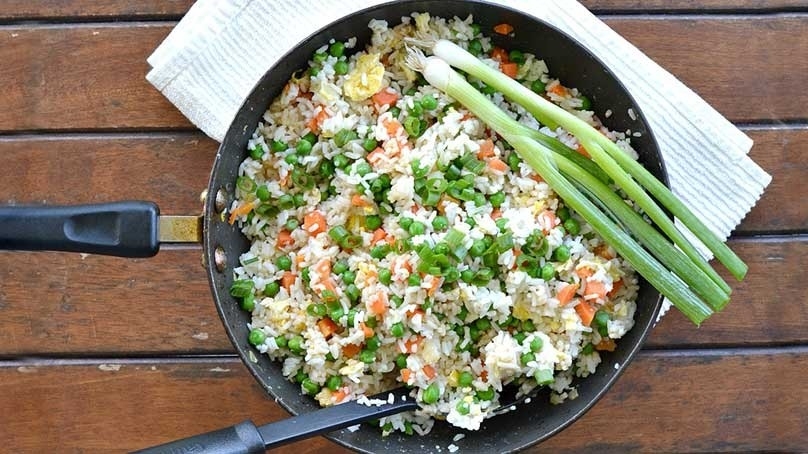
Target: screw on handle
(124,229)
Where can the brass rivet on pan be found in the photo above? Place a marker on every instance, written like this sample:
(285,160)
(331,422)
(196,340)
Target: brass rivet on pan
(219,259)
(220,200)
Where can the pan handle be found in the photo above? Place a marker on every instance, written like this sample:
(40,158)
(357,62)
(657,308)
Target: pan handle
(124,229)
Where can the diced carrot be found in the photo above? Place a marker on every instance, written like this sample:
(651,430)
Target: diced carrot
(584,272)
(594,287)
(240,211)
(486,149)
(368,331)
(327,327)
(503,29)
(510,69)
(484,375)
(586,311)
(375,156)
(559,90)
(351,350)
(429,371)
(328,283)
(580,149)
(565,295)
(378,235)
(392,126)
(547,219)
(379,305)
(288,279)
(359,201)
(434,286)
(299,259)
(416,311)
(314,223)
(405,375)
(499,54)
(385,97)
(606,344)
(323,267)
(497,165)
(284,239)
(411,345)
(496,213)
(616,286)
(317,120)
(340,394)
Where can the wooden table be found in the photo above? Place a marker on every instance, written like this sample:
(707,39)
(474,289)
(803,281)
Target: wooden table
(101,354)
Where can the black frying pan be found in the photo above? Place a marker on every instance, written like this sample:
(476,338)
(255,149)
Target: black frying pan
(135,229)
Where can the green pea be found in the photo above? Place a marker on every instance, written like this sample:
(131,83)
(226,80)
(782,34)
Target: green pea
(385,276)
(319,57)
(310,387)
(478,248)
(538,86)
(351,317)
(497,199)
(336,313)
(373,222)
(475,29)
(367,356)
(248,303)
(257,152)
(467,276)
(563,213)
(401,361)
(343,136)
(502,224)
(349,277)
(395,112)
(299,200)
(414,280)
(416,110)
(462,407)
(475,47)
(428,102)
(602,322)
(353,293)
(341,161)
(516,56)
(526,358)
(588,349)
(572,226)
(486,394)
(586,104)
(465,379)
(296,343)
(373,343)
(317,310)
(291,159)
(519,337)
(405,222)
(547,271)
(340,267)
(278,146)
(257,337)
(482,324)
(333,383)
(301,375)
(561,254)
(291,224)
(337,49)
(440,223)
(431,394)
(306,274)
(397,300)
(397,330)
(303,147)
(272,289)
(341,68)
(363,168)
(416,228)
(284,263)
(369,144)
(280,341)
(528,325)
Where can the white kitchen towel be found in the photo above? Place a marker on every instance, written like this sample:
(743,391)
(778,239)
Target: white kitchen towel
(219,50)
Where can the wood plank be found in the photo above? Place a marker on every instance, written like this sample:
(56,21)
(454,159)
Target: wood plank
(92,9)
(680,401)
(781,152)
(169,169)
(82,77)
(111,9)
(92,76)
(63,169)
(63,304)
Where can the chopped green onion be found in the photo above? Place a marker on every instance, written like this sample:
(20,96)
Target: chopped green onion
(544,376)
(246,184)
(343,136)
(241,288)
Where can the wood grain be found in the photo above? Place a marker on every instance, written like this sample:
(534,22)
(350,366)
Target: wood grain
(110,9)
(82,77)
(92,76)
(78,408)
(63,304)
(169,169)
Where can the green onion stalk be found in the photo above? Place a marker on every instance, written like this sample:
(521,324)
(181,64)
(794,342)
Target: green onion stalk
(668,278)
(625,171)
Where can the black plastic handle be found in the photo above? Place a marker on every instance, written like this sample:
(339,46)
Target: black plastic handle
(243,438)
(124,229)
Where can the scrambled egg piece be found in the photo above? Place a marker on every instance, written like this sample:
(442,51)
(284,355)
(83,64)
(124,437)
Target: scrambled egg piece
(366,78)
